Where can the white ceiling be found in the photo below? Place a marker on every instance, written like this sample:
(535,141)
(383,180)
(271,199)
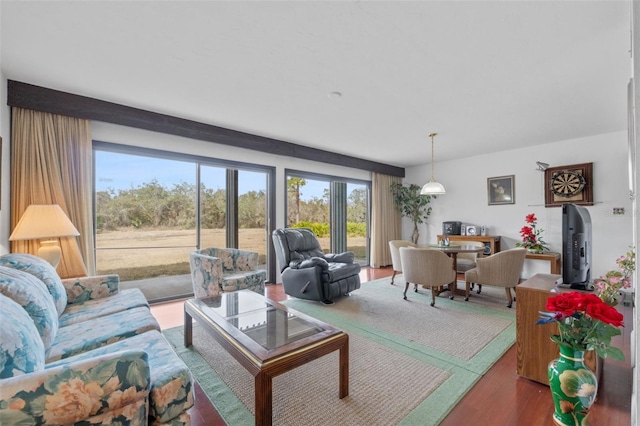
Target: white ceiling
(486,75)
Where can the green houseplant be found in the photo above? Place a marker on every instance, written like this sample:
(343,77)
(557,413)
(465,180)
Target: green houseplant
(412,205)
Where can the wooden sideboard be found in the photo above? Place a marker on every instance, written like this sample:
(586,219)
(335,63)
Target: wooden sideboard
(554,259)
(534,347)
(492,242)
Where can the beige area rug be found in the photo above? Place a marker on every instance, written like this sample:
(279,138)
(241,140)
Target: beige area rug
(410,363)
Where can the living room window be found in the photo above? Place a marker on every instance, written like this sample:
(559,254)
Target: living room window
(149,213)
(337,210)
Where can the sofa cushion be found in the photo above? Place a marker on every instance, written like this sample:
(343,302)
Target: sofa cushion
(85,336)
(31,293)
(123,300)
(171,381)
(42,270)
(111,389)
(21,348)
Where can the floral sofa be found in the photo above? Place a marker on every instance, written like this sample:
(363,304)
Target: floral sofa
(80,351)
(214,270)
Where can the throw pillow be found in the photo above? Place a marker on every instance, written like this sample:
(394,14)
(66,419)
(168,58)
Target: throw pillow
(21,348)
(42,270)
(31,293)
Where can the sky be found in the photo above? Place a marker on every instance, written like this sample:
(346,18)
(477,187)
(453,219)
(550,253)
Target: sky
(125,171)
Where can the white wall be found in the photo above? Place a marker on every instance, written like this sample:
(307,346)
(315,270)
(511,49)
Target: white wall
(466,199)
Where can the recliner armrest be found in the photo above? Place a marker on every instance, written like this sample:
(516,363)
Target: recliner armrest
(345,257)
(309,263)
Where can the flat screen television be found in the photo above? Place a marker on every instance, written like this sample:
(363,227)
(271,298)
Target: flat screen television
(576,247)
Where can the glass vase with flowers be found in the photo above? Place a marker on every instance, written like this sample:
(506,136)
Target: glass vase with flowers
(585,322)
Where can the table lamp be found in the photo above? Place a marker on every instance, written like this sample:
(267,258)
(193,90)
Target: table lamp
(45,222)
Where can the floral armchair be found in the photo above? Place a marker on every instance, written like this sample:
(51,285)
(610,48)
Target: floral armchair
(214,270)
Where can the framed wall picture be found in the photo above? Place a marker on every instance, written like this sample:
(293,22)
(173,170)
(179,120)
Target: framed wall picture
(569,184)
(501,190)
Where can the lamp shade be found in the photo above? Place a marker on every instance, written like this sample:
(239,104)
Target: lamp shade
(432,188)
(41,221)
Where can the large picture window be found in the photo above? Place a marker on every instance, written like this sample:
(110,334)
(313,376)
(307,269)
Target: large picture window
(152,208)
(336,209)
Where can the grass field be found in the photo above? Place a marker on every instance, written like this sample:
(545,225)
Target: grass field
(137,254)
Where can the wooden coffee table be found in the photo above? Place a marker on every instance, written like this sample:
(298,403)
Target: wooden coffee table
(267,339)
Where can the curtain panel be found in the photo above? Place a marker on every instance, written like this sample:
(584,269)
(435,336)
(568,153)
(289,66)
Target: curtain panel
(386,219)
(51,163)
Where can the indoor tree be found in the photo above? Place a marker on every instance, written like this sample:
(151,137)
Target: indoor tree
(412,205)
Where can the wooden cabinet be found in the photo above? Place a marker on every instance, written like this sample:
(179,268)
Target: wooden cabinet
(492,242)
(554,259)
(534,347)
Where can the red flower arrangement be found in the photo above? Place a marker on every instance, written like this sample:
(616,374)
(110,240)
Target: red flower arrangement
(585,322)
(532,237)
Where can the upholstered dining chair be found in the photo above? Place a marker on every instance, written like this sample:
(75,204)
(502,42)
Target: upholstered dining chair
(394,247)
(428,267)
(502,269)
(467,261)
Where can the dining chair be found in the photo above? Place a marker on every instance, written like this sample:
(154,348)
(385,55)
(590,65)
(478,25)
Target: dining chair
(394,247)
(502,269)
(467,261)
(428,267)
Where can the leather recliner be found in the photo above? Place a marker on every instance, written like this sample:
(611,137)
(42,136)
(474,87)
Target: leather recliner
(307,272)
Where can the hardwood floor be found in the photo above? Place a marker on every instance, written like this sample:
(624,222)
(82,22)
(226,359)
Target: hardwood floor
(500,397)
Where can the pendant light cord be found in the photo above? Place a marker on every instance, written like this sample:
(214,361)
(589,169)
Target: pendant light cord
(432,156)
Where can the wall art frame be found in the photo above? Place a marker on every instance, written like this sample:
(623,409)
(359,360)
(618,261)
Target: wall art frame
(569,184)
(501,190)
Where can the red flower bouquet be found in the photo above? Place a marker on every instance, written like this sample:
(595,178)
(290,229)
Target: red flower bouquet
(532,237)
(585,322)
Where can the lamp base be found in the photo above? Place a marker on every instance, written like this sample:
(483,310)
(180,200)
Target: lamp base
(50,251)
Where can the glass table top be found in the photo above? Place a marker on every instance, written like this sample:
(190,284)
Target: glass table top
(259,319)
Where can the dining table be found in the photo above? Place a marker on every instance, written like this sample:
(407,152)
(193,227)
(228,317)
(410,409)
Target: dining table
(452,251)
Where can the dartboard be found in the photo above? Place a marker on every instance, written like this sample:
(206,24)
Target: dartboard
(567,183)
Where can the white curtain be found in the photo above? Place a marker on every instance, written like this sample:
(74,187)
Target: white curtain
(386,219)
(51,164)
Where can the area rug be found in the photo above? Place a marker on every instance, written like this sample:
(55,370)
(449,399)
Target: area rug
(410,363)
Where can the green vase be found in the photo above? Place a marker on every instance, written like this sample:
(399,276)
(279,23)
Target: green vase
(573,387)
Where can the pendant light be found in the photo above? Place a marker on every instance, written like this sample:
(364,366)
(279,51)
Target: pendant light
(432,187)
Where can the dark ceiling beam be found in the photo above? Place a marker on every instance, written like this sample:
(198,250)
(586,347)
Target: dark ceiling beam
(39,98)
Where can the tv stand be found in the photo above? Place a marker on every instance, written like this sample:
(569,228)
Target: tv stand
(534,346)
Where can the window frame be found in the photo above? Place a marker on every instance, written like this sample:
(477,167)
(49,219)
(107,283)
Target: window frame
(329,179)
(199,161)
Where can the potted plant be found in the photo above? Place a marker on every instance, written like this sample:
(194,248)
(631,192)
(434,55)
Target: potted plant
(609,284)
(532,237)
(412,204)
